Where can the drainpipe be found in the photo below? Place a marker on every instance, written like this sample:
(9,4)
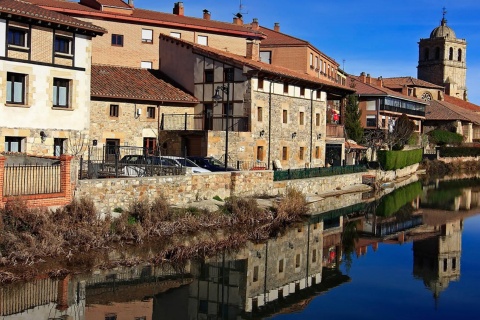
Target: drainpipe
(311,126)
(269,122)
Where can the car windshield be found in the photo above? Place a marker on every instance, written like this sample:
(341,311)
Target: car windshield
(187,163)
(216,162)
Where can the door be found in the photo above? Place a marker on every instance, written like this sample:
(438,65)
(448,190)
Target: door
(111,149)
(208,120)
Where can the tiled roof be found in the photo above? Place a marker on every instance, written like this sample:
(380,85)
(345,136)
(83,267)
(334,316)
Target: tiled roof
(135,84)
(442,110)
(25,9)
(462,103)
(399,82)
(374,90)
(257,65)
(149,17)
(114,3)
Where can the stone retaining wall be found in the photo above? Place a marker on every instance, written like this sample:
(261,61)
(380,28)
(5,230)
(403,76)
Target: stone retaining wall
(319,185)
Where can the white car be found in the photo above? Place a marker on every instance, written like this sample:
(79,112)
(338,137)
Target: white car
(182,162)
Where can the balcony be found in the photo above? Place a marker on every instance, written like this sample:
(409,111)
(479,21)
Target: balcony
(200,122)
(335,131)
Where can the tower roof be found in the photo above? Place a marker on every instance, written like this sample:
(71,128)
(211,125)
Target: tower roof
(443,31)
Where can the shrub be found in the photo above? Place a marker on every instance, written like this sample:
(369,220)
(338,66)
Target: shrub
(444,137)
(393,160)
(459,152)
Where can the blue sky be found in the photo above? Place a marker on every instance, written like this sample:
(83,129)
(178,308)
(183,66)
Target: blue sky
(379,37)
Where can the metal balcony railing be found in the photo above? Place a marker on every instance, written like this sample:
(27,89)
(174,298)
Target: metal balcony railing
(200,122)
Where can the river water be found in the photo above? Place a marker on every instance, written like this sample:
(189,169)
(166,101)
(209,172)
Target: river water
(412,254)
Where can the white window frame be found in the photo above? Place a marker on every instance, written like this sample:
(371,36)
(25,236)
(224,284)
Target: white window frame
(203,40)
(146,65)
(176,35)
(147,35)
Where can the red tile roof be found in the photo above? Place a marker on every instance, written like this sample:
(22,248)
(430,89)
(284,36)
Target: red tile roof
(25,9)
(257,65)
(442,110)
(149,17)
(399,82)
(374,90)
(462,103)
(135,84)
(113,3)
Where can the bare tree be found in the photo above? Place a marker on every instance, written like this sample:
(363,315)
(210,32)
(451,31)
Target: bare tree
(76,143)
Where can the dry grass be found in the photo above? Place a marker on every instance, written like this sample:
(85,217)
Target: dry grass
(28,236)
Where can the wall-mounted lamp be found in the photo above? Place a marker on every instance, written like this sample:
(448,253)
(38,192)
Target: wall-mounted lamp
(316,238)
(94,142)
(319,136)
(262,133)
(43,136)
(259,255)
(290,245)
(294,135)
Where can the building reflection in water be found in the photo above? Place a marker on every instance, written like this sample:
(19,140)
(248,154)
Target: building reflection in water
(281,275)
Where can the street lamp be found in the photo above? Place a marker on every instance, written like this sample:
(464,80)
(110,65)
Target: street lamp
(217,97)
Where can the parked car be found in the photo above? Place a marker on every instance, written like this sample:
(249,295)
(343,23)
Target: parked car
(187,163)
(134,165)
(210,163)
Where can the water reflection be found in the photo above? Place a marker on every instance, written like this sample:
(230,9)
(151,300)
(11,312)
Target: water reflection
(283,275)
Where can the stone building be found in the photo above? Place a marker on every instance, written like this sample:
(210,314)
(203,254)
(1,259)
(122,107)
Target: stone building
(381,106)
(133,32)
(126,104)
(414,87)
(45,75)
(442,60)
(274,114)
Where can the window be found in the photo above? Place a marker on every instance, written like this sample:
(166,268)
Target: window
(150,145)
(426,96)
(285,116)
(314,255)
(58,148)
(302,118)
(117,40)
(302,91)
(316,62)
(209,76)
(17,37)
(63,45)
(311,60)
(260,153)
(176,35)
(437,53)
(301,154)
(450,54)
(228,74)
(203,306)
(445,265)
(14,144)
(317,152)
(317,119)
(371,105)
(255,274)
(285,88)
(146,65)
(454,264)
(259,114)
(280,266)
(16,88)
(266,57)
(426,54)
(459,54)
(284,153)
(297,260)
(114,110)
(151,112)
(371,121)
(319,94)
(61,88)
(203,40)
(260,83)
(147,35)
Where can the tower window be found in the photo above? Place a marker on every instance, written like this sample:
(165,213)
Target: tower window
(459,54)
(437,53)
(426,54)
(450,54)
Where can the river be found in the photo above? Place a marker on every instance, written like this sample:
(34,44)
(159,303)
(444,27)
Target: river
(412,254)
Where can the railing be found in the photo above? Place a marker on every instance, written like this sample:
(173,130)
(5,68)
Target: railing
(335,131)
(201,122)
(31,180)
(292,174)
(251,165)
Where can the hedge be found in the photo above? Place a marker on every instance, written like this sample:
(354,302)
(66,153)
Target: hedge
(392,202)
(393,160)
(443,137)
(459,152)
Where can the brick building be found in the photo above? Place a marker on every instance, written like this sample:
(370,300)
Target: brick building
(133,32)
(45,71)
(442,60)
(275,114)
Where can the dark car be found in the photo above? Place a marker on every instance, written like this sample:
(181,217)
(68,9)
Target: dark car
(210,163)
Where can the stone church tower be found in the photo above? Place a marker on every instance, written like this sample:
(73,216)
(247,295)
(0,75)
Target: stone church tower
(442,60)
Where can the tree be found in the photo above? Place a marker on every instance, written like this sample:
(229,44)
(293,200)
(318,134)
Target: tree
(402,131)
(353,126)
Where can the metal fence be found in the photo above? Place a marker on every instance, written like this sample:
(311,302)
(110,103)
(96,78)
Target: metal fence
(251,165)
(23,179)
(202,122)
(292,174)
(125,161)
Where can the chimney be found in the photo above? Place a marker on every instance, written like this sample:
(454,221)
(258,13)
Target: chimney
(206,14)
(380,82)
(255,25)
(130,3)
(238,19)
(276,27)
(405,90)
(253,50)
(178,9)
(362,77)
(369,79)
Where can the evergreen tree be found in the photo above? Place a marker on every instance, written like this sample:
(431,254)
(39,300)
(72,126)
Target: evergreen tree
(353,127)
